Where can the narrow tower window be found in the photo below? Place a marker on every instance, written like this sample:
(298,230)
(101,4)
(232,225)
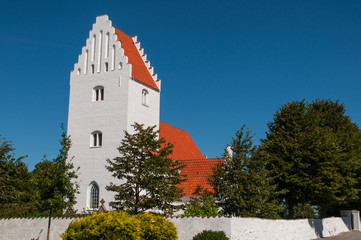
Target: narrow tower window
(100,49)
(92,68)
(145,97)
(96,139)
(93,46)
(86,62)
(107,45)
(113,57)
(98,93)
(106,65)
(94,195)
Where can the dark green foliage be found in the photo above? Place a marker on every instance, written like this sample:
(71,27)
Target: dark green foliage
(211,235)
(313,151)
(121,225)
(150,175)
(300,211)
(16,194)
(202,204)
(54,181)
(242,183)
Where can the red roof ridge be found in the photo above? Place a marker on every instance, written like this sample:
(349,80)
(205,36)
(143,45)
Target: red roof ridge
(184,146)
(172,126)
(141,69)
(202,159)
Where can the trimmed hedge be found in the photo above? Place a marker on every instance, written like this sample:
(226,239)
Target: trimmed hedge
(211,235)
(117,225)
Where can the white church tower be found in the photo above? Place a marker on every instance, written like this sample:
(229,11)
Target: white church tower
(111,87)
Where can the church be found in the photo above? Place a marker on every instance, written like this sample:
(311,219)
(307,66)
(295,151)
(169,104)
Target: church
(112,86)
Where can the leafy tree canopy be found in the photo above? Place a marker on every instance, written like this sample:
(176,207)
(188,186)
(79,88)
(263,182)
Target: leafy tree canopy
(54,181)
(16,195)
(313,151)
(242,183)
(202,204)
(149,177)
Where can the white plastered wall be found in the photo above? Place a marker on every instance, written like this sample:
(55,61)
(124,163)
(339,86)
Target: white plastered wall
(110,116)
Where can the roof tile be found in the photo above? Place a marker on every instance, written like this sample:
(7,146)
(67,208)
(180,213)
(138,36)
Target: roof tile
(198,171)
(198,168)
(140,71)
(184,146)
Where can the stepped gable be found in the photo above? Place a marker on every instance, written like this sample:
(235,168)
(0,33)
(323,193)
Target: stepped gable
(184,146)
(140,71)
(198,172)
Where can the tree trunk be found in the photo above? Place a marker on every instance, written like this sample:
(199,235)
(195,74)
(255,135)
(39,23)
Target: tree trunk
(323,212)
(291,211)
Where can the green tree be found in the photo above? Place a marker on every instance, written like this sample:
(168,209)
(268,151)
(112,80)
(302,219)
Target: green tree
(286,145)
(54,181)
(16,194)
(242,183)
(149,177)
(314,151)
(202,204)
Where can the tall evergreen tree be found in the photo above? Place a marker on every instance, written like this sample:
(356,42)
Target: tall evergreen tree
(54,181)
(242,183)
(149,176)
(314,154)
(286,145)
(16,194)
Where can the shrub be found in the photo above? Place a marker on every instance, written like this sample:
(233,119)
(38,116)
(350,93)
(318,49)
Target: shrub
(155,227)
(121,225)
(201,207)
(211,235)
(112,225)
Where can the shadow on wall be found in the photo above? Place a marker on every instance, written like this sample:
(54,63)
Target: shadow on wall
(346,218)
(317,225)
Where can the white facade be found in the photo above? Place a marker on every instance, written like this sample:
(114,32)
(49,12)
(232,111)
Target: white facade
(104,102)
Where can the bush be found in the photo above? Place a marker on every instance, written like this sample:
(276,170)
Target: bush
(155,227)
(204,207)
(211,235)
(118,225)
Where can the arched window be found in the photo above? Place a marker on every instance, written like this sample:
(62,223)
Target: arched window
(145,97)
(96,139)
(98,93)
(94,195)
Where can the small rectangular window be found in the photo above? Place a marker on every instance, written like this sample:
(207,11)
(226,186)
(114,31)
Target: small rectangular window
(95,142)
(97,95)
(100,139)
(92,68)
(106,67)
(96,139)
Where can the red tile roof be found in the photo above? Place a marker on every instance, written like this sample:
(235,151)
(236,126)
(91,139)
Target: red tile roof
(198,168)
(140,71)
(184,147)
(198,172)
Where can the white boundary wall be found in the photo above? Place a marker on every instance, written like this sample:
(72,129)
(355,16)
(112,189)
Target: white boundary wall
(235,228)
(28,228)
(256,228)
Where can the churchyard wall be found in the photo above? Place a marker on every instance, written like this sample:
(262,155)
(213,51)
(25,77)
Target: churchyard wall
(235,228)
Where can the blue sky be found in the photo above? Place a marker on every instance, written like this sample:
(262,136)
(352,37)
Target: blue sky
(222,63)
